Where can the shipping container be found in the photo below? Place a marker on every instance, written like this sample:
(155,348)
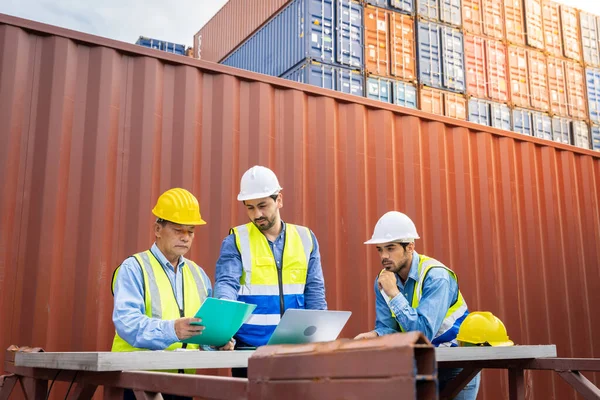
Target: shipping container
(479,111)
(534,26)
(576,97)
(514,25)
(538,80)
(379,89)
(453,68)
(561,130)
(231,26)
(402,46)
(497,70)
(552,28)
(581,134)
(446,11)
(493,19)
(472,17)
(161,45)
(304,29)
(328,77)
(518,76)
(501,116)
(85,120)
(522,122)
(557,87)
(431,100)
(475,68)
(593,93)
(377,39)
(570,32)
(542,125)
(405,94)
(595,137)
(404,6)
(589,38)
(455,105)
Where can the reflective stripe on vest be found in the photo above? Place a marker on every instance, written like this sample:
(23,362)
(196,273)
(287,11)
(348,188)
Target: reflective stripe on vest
(446,334)
(159,299)
(259,283)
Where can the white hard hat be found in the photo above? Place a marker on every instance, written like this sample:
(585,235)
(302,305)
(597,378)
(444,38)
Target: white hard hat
(394,227)
(258,182)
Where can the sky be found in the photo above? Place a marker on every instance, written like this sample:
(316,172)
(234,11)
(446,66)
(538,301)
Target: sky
(126,20)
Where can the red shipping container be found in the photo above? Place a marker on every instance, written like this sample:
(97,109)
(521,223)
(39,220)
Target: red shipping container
(538,80)
(576,90)
(455,105)
(534,27)
(570,32)
(431,100)
(475,66)
(552,30)
(557,87)
(518,76)
(376,30)
(497,74)
(402,45)
(472,17)
(230,26)
(493,19)
(515,27)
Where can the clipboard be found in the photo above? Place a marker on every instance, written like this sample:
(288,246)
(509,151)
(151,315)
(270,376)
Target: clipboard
(221,319)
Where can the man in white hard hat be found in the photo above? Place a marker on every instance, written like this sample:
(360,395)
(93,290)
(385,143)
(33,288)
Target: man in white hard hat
(414,292)
(267,262)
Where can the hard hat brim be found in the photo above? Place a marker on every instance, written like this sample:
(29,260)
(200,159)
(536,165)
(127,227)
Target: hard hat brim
(193,222)
(386,240)
(255,196)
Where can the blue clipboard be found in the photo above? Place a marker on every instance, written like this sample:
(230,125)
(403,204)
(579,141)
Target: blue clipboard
(221,320)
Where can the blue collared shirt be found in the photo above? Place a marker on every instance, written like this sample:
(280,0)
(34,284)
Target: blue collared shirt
(129,313)
(229,271)
(440,291)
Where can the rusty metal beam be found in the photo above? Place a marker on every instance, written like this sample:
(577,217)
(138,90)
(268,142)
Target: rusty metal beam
(516,384)
(580,383)
(35,389)
(7,384)
(83,392)
(457,384)
(566,364)
(143,395)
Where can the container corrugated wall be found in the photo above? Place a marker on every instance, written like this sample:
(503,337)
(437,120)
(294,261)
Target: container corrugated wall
(570,32)
(552,28)
(213,43)
(94,130)
(514,23)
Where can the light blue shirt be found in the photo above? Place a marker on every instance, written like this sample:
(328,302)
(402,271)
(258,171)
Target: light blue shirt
(440,291)
(229,271)
(129,313)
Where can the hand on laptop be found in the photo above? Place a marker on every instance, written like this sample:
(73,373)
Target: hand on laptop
(185,330)
(367,335)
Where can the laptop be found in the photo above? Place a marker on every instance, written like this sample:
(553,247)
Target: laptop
(299,326)
(221,319)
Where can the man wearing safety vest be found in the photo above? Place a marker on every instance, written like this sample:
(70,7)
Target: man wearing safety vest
(267,262)
(158,291)
(414,292)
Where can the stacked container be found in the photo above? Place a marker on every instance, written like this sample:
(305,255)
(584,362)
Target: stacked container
(532,66)
(162,45)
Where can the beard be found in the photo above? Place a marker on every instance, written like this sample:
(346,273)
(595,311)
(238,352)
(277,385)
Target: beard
(270,223)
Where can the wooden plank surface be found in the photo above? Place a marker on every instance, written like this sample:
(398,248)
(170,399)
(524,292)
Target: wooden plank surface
(160,360)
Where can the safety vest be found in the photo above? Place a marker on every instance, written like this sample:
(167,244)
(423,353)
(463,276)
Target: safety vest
(159,297)
(446,335)
(272,289)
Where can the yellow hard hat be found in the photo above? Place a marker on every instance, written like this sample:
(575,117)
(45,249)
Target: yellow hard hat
(483,327)
(179,206)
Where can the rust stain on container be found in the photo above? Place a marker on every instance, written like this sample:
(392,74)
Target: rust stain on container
(402,46)
(576,90)
(514,23)
(497,70)
(213,42)
(94,130)
(538,80)
(557,85)
(552,29)
(493,18)
(472,16)
(570,32)
(377,40)
(476,71)
(519,78)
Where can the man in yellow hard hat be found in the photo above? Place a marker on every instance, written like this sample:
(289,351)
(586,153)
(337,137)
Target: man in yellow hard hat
(158,291)
(267,262)
(414,292)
